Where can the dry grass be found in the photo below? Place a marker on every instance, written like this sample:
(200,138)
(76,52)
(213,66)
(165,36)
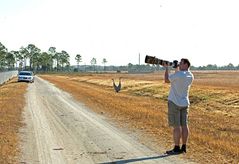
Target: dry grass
(11,105)
(142,106)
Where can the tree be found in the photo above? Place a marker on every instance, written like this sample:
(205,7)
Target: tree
(78,60)
(25,54)
(130,65)
(34,54)
(64,59)
(52,52)
(93,62)
(10,60)
(3,52)
(31,53)
(18,58)
(57,58)
(104,62)
(230,66)
(46,61)
(211,67)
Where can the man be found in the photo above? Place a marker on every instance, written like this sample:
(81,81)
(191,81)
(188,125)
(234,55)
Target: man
(178,104)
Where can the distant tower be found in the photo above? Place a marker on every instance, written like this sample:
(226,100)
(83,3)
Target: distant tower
(139,58)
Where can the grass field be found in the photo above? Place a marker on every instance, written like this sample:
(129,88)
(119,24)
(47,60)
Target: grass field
(11,105)
(142,106)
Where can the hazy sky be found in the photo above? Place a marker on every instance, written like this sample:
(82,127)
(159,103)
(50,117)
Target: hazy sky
(204,31)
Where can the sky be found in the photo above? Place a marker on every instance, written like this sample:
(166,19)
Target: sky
(204,31)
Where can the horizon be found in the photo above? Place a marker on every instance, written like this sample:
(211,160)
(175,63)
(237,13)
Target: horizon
(141,63)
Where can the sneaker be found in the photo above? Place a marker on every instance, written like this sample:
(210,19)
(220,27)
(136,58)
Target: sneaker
(174,151)
(183,149)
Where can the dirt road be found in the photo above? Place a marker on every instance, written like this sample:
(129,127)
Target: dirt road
(61,130)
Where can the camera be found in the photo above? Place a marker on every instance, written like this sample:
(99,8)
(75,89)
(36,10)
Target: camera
(154,60)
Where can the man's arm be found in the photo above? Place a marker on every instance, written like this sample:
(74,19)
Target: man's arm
(166,80)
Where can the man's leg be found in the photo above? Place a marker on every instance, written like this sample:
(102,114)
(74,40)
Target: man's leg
(185,128)
(174,121)
(177,135)
(176,138)
(185,132)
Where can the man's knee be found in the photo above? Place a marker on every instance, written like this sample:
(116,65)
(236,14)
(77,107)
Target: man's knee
(185,128)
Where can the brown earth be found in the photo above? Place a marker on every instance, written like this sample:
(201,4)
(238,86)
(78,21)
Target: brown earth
(11,106)
(141,107)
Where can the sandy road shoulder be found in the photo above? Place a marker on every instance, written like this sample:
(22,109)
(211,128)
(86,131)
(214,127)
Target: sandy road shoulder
(61,130)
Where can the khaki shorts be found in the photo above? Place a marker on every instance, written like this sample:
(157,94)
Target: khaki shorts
(177,116)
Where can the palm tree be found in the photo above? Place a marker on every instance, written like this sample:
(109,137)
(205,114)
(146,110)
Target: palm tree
(78,60)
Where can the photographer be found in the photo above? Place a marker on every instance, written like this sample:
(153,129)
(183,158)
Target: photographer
(178,103)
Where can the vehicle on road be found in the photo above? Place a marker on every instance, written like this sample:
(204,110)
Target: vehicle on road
(27,76)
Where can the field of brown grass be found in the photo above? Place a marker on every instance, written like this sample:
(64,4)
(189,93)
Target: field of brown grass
(141,106)
(11,105)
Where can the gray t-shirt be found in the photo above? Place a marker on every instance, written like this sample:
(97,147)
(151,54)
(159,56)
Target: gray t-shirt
(180,85)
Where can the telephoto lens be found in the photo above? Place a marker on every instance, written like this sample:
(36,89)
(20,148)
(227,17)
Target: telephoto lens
(154,60)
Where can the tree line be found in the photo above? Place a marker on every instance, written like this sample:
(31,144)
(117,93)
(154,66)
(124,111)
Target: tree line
(32,58)
(37,60)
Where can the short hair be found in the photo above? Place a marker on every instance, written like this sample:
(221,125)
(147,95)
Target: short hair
(186,61)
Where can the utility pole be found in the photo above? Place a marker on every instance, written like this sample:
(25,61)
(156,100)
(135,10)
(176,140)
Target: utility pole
(139,58)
